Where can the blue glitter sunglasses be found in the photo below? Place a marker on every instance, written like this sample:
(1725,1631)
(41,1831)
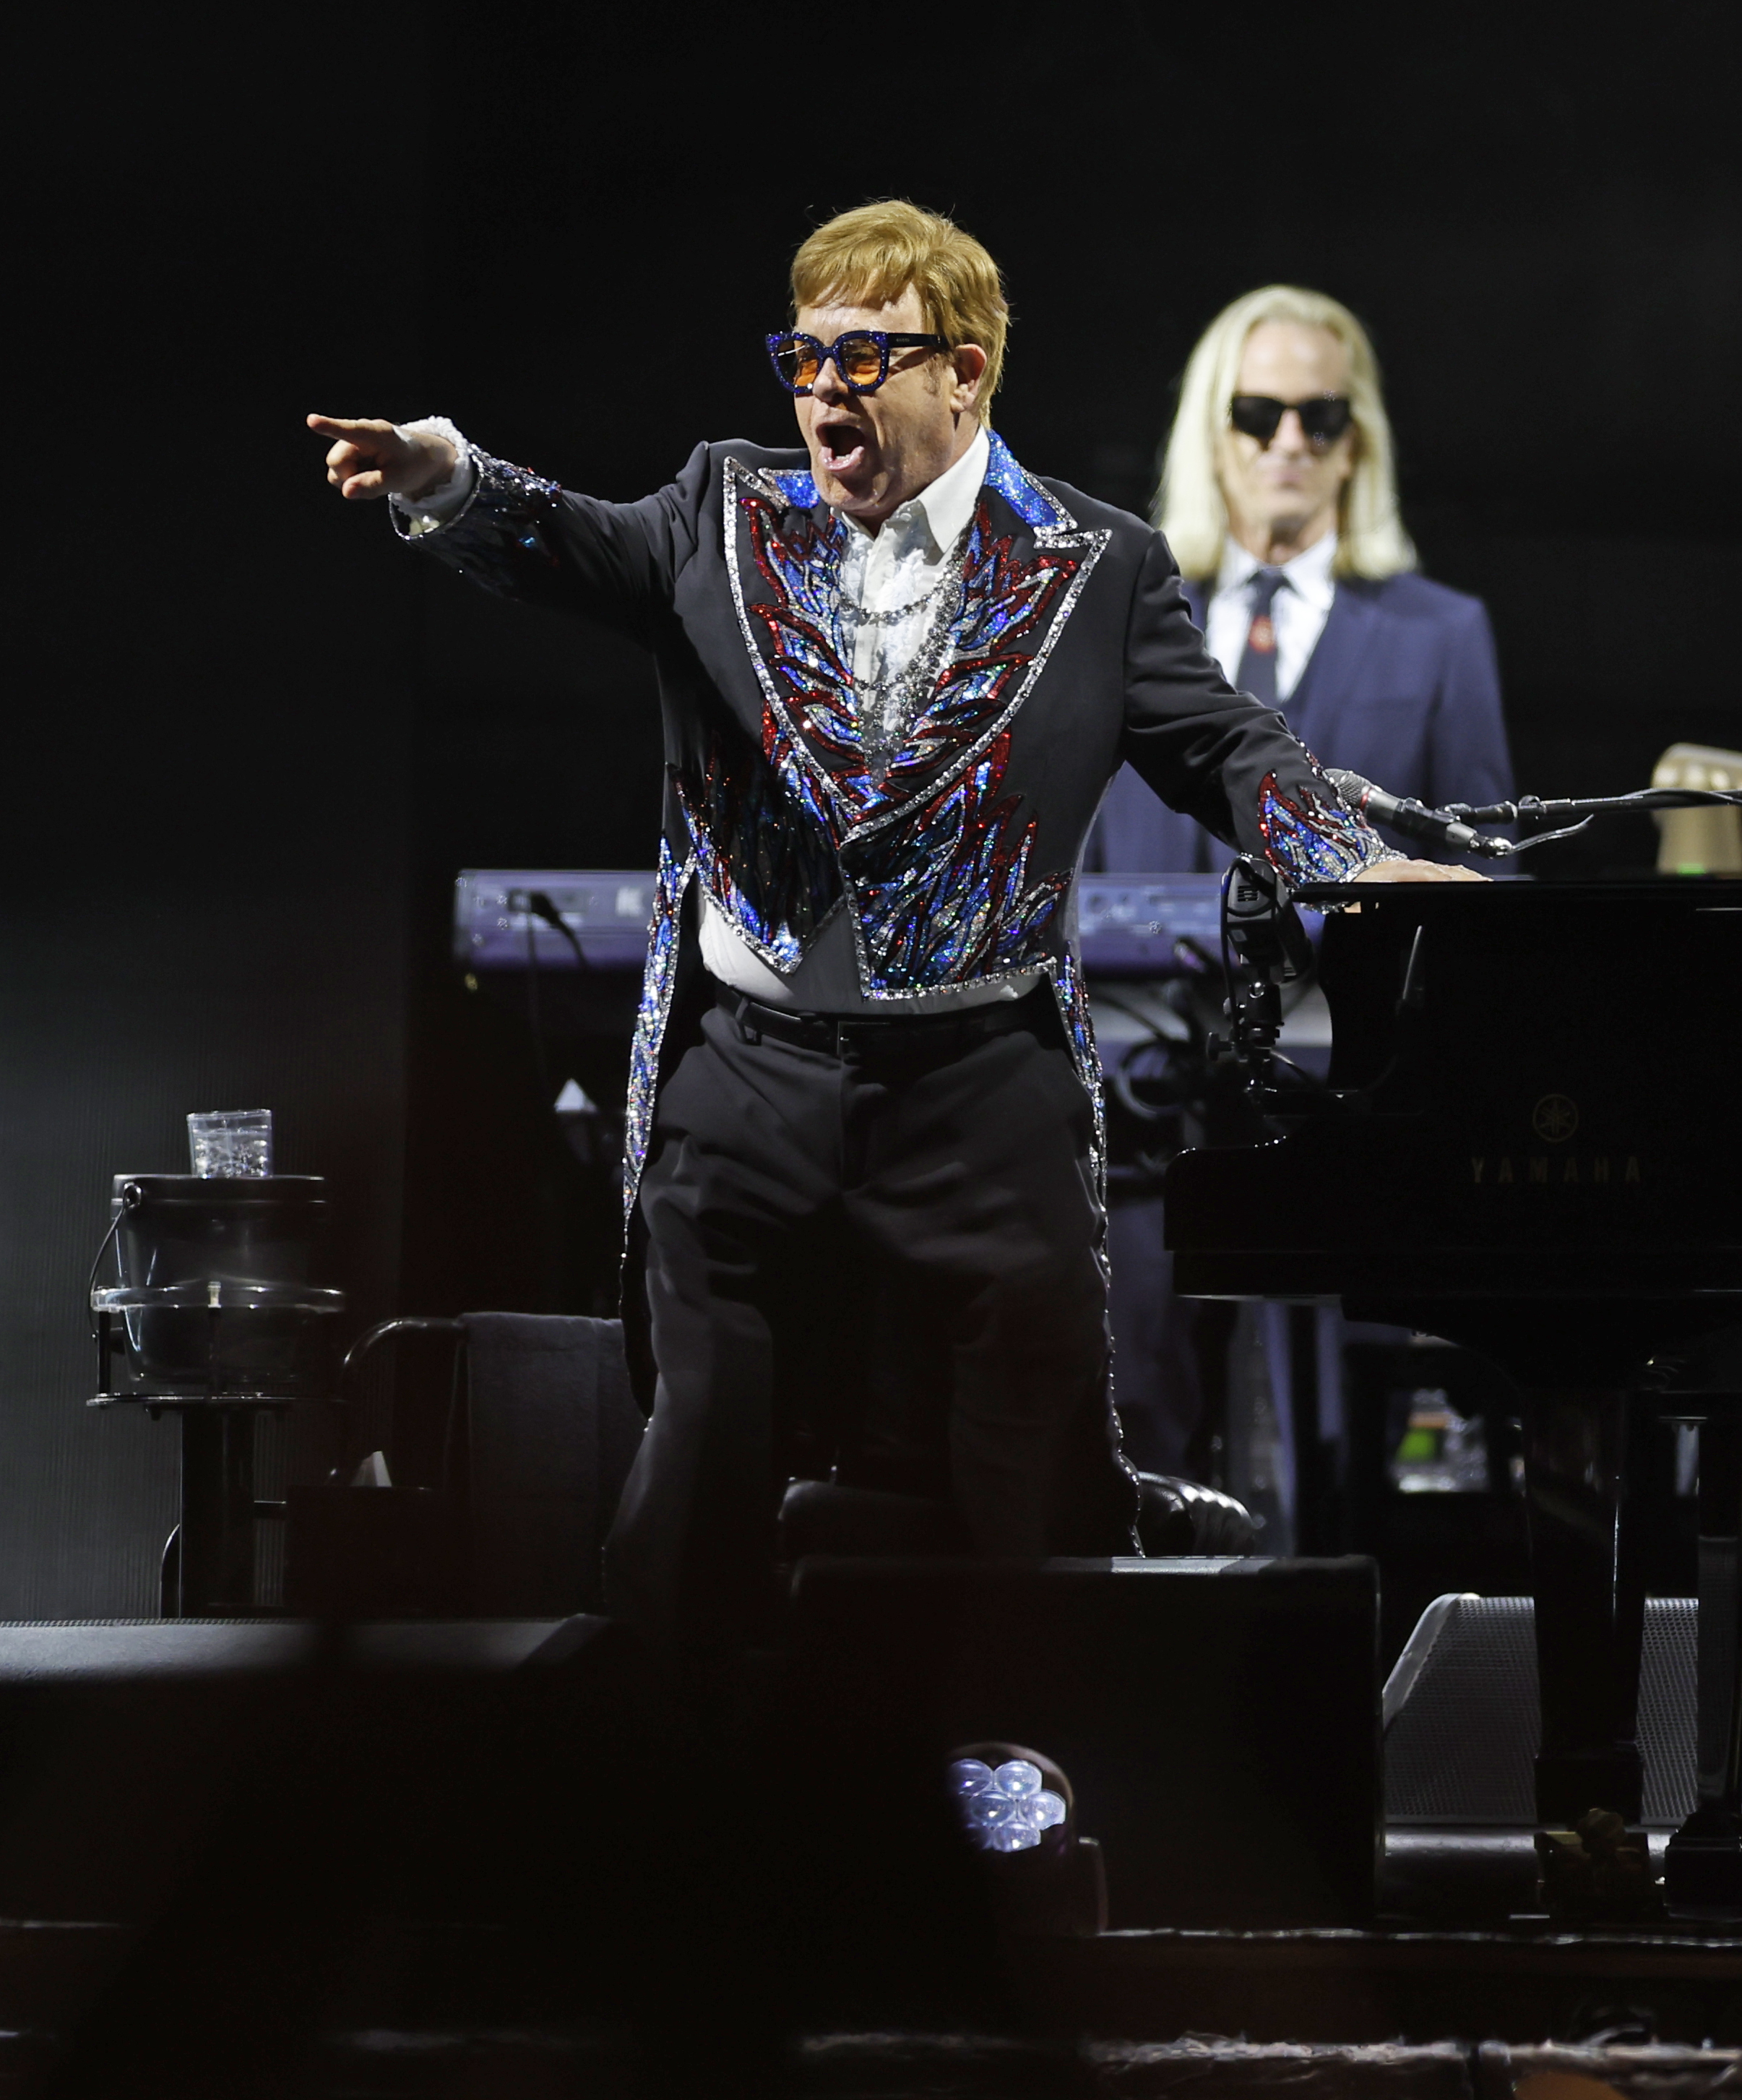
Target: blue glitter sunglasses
(862,357)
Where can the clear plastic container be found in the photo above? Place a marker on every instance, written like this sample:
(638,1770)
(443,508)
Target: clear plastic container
(231,1143)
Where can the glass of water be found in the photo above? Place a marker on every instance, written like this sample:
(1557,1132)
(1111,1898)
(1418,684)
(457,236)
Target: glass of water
(230,1143)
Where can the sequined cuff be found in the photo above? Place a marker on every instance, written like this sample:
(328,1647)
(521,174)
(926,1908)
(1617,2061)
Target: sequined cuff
(501,495)
(1313,838)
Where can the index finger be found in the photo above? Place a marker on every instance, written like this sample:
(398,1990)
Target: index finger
(342,426)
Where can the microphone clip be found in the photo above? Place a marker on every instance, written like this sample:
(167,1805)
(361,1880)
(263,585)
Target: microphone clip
(1264,946)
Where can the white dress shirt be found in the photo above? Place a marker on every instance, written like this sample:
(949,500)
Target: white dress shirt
(1298,611)
(907,564)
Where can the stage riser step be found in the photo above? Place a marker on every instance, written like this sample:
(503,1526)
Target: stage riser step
(899,2067)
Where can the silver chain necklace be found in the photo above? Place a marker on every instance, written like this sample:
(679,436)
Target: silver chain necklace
(887,706)
(894,618)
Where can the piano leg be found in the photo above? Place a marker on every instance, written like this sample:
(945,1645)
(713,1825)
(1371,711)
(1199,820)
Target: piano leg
(1583,1454)
(1703,1865)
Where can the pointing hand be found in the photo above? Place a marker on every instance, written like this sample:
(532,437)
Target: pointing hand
(370,457)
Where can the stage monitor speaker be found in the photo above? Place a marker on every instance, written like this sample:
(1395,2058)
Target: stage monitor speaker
(1461,1716)
(68,1653)
(131,1752)
(1218,1719)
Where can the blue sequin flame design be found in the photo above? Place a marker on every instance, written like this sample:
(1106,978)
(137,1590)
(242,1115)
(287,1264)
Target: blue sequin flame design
(945,897)
(1309,839)
(1002,604)
(768,865)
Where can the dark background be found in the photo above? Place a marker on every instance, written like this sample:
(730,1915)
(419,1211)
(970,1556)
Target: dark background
(251,739)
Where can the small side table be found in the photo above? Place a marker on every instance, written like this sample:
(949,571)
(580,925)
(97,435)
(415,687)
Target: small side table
(209,1562)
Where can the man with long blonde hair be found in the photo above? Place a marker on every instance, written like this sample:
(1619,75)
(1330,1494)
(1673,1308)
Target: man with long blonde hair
(897,671)
(1278,497)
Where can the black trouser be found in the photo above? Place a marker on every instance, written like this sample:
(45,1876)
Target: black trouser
(1154,1336)
(877,1257)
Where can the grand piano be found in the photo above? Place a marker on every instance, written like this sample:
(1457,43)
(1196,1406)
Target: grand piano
(1530,1143)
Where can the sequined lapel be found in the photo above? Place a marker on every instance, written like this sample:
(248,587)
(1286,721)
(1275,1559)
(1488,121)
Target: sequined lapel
(1024,563)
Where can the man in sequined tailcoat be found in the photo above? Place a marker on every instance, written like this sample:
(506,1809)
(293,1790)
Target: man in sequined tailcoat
(897,671)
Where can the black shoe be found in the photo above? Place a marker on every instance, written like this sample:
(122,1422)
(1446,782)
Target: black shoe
(1179,1517)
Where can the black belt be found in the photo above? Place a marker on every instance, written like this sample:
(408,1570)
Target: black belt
(904,1034)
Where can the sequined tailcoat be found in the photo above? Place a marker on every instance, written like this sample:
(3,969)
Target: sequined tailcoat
(1067,648)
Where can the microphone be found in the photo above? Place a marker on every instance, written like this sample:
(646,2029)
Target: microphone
(1413,819)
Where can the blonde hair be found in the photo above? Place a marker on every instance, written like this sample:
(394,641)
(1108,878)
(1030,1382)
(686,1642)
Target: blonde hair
(870,255)
(1189,508)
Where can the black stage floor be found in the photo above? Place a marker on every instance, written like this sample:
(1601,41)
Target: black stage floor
(386,1863)
(447,2010)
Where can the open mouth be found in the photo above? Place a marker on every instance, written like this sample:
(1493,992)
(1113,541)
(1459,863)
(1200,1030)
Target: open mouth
(840,447)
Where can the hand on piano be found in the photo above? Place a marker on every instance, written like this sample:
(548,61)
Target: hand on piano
(1418,871)
(371,458)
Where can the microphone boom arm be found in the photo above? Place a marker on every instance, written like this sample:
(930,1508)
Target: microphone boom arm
(1454,826)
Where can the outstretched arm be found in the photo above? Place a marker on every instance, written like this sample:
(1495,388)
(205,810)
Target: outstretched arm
(517,533)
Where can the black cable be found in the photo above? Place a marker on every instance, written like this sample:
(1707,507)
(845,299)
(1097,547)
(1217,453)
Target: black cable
(540,1063)
(540,904)
(1227,966)
(1310,1081)
(131,1196)
(1124,1091)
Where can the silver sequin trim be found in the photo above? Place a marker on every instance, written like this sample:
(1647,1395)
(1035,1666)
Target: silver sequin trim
(658,982)
(1073,999)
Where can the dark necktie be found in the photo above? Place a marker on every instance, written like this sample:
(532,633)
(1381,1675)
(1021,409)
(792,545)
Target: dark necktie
(1257,674)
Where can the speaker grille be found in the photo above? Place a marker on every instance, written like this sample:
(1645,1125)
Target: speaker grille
(1463,1716)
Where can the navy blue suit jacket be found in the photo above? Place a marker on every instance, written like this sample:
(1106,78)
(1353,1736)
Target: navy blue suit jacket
(1402,688)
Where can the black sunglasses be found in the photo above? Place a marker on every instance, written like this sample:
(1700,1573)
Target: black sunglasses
(862,357)
(1323,417)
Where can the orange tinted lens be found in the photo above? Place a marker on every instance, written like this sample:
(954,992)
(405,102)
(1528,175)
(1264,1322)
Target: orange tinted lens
(797,362)
(861,360)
